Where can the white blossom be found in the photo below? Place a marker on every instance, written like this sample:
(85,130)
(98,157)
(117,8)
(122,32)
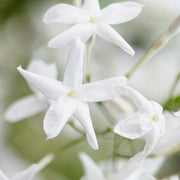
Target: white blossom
(171,137)
(148,122)
(71,96)
(90,19)
(31,104)
(26,174)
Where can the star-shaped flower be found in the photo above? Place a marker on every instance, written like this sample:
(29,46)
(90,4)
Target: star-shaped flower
(26,174)
(148,122)
(90,19)
(70,96)
(32,104)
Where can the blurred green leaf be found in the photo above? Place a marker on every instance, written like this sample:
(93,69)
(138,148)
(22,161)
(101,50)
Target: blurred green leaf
(172,104)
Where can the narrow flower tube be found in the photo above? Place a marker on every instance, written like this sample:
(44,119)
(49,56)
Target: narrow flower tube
(173,29)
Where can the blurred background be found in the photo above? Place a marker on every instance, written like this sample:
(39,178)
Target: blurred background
(23,36)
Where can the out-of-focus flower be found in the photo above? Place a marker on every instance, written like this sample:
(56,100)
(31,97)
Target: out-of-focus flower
(90,20)
(147,177)
(148,122)
(124,170)
(71,96)
(177,113)
(174,177)
(32,104)
(26,174)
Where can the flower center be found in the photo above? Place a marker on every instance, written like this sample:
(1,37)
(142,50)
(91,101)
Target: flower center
(154,118)
(71,93)
(91,19)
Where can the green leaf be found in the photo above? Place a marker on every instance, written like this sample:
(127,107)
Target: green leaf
(172,104)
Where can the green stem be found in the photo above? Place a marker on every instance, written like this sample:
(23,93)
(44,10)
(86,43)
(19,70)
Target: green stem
(174,85)
(144,59)
(123,156)
(158,44)
(50,157)
(46,160)
(114,152)
(79,140)
(77,3)
(114,147)
(76,127)
(106,113)
(89,46)
(68,145)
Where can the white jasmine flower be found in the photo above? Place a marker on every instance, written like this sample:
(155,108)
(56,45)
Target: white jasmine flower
(149,122)
(174,177)
(126,170)
(32,104)
(168,142)
(90,19)
(26,174)
(70,96)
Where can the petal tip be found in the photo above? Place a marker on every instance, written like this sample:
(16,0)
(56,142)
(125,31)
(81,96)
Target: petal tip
(95,145)
(44,20)
(48,138)
(115,130)
(52,44)
(19,67)
(132,53)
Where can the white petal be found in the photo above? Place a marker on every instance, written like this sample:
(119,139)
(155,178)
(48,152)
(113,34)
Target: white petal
(3,176)
(74,70)
(81,31)
(143,105)
(127,170)
(92,171)
(167,141)
(157,108)
(46,69)
(117,13)
(57,116)
(101,90)
(134,127)
(26,174)
(151,139)
(83,115)
(147,177)
(174,177)
(49,87)
(91,6)
(108,33)
(177,113)
(64,13)
(40,67)
(160,118)
(25,107)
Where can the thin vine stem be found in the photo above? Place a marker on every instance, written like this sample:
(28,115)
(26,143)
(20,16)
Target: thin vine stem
(49,158)
(89,46)
(158,44)
(106,113)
